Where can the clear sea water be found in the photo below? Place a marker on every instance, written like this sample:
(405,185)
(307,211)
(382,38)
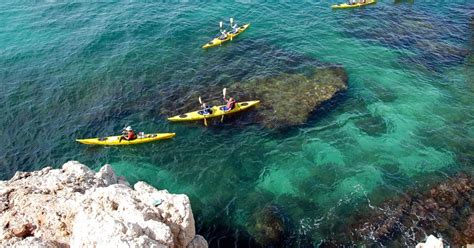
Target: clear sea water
(85,69)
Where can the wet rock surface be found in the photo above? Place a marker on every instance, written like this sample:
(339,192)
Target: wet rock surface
(445,209)
(286,100)
(77,207)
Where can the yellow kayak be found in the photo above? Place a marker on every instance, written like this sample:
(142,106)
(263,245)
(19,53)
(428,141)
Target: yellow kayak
(217,41)
(356,5)
(216,112)
(114,140)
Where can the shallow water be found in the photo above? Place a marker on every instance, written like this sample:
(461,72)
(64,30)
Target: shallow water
(71,70)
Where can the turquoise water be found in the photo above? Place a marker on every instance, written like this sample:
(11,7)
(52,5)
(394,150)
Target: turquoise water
(71,70)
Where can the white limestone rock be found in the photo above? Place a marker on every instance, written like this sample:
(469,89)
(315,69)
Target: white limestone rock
(107,174)
(431,242)
(75,206)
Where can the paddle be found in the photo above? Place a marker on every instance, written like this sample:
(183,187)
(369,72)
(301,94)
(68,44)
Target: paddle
(220,35)
(205,121)
(223,93)
(231,21)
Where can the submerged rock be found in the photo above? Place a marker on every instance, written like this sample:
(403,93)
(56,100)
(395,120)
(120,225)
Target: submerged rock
(289,99)
(445,209)
(74,206)
(270,226)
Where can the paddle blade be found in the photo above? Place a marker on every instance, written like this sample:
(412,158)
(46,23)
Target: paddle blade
(220,24)
(224,91)
(200,101)
(231,20)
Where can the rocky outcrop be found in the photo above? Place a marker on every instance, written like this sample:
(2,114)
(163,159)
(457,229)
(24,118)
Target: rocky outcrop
(76,207)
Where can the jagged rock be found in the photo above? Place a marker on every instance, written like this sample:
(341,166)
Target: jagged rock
(74,206)
(182,222)
(107,174)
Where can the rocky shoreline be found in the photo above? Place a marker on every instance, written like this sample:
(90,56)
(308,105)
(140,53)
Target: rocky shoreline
(76,207)
(444,210)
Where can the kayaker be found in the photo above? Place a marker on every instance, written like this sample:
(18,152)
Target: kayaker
(223,35)
(235,28)
(128,134)
(230,104)
(206,109)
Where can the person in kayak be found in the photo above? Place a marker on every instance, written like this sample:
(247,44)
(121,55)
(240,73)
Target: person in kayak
(223,35)
(235,28)
(230,104)
(128,134)
(206,109)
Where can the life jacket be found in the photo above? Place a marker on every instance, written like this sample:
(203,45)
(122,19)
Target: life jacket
(131,135)
(230,104)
